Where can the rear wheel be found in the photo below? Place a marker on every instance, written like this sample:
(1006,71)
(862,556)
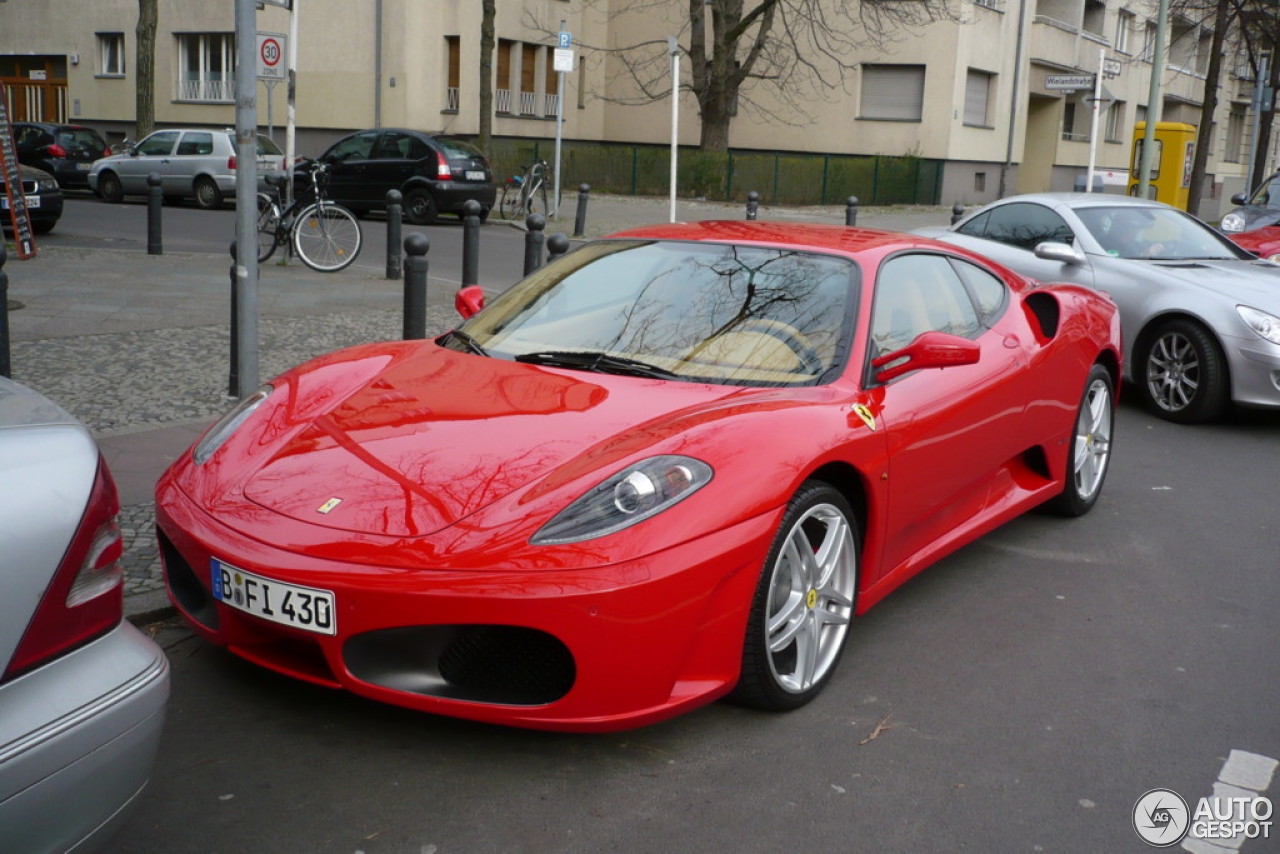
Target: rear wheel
(109,188)
(327,237)
(1182,374)
(208,196)
(803,603)
(1089,453)
(419,207)
(268,226)
(509,204)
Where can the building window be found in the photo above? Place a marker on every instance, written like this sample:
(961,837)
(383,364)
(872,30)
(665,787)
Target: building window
(1124,26)
(1235,135)
(111,54)
(453,49)
(1115,129)
(1148,41)
(892,92)
(529,80)
(502,92)
(1095,14)
(206,63)
(1182,45)
(977,98)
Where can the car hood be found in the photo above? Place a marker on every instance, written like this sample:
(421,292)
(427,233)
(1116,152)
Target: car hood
(1257,281)
(435,437)
(1258,216)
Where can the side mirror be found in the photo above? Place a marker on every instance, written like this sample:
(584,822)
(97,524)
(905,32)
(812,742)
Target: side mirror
(469,301)
(1239,199)
(927,350)
(1060,252)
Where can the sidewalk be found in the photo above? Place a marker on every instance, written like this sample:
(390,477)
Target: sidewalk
(137,346)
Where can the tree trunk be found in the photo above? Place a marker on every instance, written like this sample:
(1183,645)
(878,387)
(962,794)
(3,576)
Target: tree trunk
(487,28)
(145,112)
(1204,136)
(1264,127)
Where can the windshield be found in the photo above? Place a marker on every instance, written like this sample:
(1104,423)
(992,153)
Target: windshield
(693,311)
(1155,233)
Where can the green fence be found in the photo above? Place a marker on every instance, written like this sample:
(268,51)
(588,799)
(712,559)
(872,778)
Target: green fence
(779,178)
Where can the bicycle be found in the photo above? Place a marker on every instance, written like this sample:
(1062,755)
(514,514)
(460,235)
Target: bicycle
(324,234)
(526,193)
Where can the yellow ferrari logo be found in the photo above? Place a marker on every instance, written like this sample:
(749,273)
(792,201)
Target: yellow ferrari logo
(864,413)
(811,600)
(328,505)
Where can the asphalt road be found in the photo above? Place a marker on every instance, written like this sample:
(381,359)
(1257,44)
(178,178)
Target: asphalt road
(1019,696)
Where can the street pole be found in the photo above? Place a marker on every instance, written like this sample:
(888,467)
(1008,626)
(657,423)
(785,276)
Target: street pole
(1259,87)
(1153,102)
(674,49)
(290,95)
(555,201)
(245,353)
(1093,126)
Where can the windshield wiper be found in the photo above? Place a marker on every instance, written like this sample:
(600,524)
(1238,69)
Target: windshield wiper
(597,360)
(467,341)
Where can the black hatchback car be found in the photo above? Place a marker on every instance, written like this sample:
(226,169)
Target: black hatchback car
(64,151)
(436,173)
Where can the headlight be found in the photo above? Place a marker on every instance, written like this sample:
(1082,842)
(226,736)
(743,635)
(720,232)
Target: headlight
(630,496)
(1266,325)
(228,424)
(1232,223)
(47,184)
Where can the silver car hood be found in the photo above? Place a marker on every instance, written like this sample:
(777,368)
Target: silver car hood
(1257,282)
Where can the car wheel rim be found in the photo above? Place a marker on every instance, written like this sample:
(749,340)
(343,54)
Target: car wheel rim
(1093,440)
(1173,372)
(810,598)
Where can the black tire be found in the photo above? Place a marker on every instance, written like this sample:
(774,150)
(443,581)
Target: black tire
(1181,373)
(208,196)
(808,603)
(268,227)
(110,189)
(43,227)
(1089,451)
(509,204)
(484,215)
(419,207)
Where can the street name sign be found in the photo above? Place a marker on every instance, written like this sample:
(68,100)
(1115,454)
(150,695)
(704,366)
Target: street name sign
(1068,82)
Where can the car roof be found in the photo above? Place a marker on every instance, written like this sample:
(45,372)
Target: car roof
(818,236)
(1083,200)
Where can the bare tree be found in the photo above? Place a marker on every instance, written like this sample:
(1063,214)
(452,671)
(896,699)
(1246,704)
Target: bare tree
(488,20)
(1223,14)
(755,54)
(145,111)
(1260,33)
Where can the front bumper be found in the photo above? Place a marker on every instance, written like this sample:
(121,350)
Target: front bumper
(1255,372)
(596,648)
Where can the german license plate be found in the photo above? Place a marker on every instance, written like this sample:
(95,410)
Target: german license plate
(33,202)
(475,176)
(83,167)
(307,608)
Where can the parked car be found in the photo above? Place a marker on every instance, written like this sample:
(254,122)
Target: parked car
(193,163)
(1263,242)
(42,195)
(1201,316)
(652,473)
(83,693)
(1256,210)
(434,172)
(64,151)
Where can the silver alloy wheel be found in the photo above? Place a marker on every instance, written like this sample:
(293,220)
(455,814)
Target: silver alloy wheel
(1093,440)
(810,598)
(1173,371)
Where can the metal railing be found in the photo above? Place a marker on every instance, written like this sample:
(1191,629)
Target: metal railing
(206,90)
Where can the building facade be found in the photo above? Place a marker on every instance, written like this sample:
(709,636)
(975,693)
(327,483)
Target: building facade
(980,92)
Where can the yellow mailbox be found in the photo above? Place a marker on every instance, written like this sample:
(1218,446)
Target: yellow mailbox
(1174,151)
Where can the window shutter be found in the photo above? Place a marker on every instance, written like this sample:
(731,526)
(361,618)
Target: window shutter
(977,88)
(892,92)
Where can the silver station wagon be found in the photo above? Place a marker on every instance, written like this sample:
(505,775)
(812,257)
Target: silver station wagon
(194,163)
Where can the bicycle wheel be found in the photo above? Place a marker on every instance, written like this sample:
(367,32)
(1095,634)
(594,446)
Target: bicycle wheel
(509,205)
(537,201)
(268,226)
(326,237)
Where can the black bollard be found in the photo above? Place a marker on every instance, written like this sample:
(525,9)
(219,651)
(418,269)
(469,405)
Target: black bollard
(753,205)
(580,219)
(415,286)
(851,211)
(471,242)
(533,240)
(557,245)
(155,203)
(6,367)
(957,213)
(233,380)
(395,215)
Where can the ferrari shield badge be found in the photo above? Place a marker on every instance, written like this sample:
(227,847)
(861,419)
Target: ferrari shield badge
(864,413)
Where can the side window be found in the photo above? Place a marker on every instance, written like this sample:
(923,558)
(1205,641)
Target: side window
(392,146)
(358,147)
(989,290)
(158,143)
(976,227)
(196,143)
(1025,225)
(418,149)
(917,294)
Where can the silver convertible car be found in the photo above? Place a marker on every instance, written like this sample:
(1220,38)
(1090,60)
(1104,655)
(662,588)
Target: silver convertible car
(1200,315)
(82,692)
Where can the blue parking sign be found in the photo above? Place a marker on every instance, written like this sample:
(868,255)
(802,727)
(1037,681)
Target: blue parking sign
(566,40)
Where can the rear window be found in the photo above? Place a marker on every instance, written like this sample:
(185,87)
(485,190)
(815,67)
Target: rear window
(455,149)
(266,145)
(72,138)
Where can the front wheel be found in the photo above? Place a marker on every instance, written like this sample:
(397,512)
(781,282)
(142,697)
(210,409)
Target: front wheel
(326,237)
(268,226)
(803,604)
(110,188)
(1182,374)
(509,204)
(208,196)
(1089,453)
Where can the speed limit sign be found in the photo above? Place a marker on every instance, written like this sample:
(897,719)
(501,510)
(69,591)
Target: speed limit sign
(271,56)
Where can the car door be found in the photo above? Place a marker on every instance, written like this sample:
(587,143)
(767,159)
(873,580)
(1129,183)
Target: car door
(150,155)
(1009,235)
(392,164)
(951,432)
(349,160)
(193,156)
